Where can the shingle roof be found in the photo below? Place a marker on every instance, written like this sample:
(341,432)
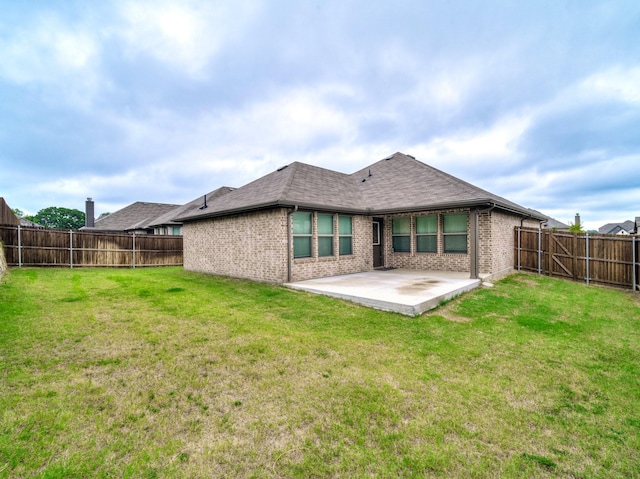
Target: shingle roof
(168,218)
(615,228)
(394,184)
(136,216)
(553,223)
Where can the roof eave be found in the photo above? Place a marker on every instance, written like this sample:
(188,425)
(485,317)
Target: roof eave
(483,202)
(488,203)
(271,205)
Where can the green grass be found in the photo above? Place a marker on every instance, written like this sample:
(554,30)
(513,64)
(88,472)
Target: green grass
(170,374)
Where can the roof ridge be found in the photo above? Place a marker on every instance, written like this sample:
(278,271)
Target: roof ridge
(287,184)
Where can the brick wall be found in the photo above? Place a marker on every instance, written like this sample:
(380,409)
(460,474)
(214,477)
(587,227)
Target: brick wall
(255,246)
(360,260)
(439,261)
(251,246)
(496,233)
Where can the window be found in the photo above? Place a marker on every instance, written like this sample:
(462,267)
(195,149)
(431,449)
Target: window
(427,234)
(325,235)
(176,230)
(345,232)
(401,235)
(301,235)
(454,228)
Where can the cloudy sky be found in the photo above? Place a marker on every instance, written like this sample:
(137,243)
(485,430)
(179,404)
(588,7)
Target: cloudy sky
(163,101)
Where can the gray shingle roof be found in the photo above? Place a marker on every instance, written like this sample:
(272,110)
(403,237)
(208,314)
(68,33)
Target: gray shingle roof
(553,223)
(168,218)
(136,216)
(615,228)
(394,184)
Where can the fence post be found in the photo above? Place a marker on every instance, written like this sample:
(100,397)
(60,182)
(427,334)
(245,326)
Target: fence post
(519,232)
(539,251)
(71,249)
(635,260)
(19,248)
(133,262)
(586,237)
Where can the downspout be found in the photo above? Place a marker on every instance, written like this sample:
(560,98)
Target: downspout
(289,241)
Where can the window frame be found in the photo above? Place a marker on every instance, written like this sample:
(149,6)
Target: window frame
(400,235)
(325,236)
(447,235)
(433,234)
(299,236)
(343,237)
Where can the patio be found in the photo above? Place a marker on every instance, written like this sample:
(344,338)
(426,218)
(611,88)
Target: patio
(401,290)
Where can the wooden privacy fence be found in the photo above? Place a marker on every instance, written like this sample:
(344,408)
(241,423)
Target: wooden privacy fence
(605,259)
(53,247)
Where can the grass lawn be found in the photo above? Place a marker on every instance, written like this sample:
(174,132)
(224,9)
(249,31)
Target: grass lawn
(170,374)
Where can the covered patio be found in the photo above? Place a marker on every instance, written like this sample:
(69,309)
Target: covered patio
(403,291)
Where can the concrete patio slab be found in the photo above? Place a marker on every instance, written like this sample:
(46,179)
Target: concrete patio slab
(401,290)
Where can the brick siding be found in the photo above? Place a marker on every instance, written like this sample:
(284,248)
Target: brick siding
(439,261)
(254,246)
(360,260)
(251,246)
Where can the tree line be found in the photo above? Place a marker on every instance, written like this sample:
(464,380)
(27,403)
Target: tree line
(55,217)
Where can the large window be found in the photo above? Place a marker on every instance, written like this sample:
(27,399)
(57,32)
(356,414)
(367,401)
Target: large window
(325,235)
(301,235)
(427,234)
(401,234)
(454,229)
(345,234)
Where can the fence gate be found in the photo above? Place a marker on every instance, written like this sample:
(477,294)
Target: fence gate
(606,259)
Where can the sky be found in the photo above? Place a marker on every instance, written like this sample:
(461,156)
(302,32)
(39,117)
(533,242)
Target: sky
(164,101)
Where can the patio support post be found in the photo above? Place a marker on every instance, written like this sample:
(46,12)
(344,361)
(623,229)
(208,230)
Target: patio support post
(473,247)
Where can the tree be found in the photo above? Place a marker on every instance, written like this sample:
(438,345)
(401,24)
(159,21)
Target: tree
(55,217)
(575,228)
(18,212)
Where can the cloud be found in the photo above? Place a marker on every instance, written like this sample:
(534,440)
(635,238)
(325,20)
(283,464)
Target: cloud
(186,35)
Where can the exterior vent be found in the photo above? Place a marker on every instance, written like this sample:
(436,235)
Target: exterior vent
(282,168)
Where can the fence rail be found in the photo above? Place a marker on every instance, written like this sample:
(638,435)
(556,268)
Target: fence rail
(604,259)
(68,248)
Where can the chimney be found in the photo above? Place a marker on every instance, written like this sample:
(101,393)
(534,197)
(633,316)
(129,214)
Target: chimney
(89,220)
(577,221)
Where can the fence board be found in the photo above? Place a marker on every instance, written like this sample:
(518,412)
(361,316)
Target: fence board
(52,247)
(605,259)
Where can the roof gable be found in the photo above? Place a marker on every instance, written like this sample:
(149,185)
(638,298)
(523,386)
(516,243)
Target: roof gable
(136,216)
(169,217)
(400,182)
(394,184)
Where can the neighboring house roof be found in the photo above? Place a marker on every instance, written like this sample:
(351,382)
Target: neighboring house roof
(397,183)
(553,223)
(625,227)
(136,216)
(29,223)
(168,217)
